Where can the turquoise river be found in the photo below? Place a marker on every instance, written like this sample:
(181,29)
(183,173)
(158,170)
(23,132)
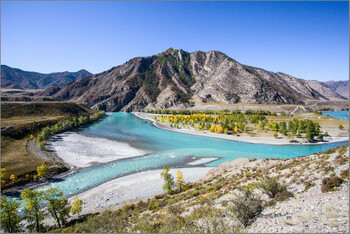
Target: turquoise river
(168,148)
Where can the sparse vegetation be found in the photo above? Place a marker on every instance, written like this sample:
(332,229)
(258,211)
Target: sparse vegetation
(271,186)
(331,183)
(247,207)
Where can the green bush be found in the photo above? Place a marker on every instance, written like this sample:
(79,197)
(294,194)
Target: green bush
(331,183)
(271,186)
(186,187)
(153,205)
(247,207)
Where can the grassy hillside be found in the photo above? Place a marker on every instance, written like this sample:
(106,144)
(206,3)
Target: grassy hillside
(244,195)
(19,121)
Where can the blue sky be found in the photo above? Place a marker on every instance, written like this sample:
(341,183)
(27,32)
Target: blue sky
(309,40)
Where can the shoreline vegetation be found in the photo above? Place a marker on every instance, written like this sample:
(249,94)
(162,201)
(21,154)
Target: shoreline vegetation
(258,127)
(36,145)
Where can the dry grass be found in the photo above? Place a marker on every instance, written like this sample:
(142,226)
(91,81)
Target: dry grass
(15,158)
(327,124)
(249,104)
(17,120)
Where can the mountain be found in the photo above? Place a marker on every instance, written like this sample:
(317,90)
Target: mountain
(341,87)
(17,79)
(178,78)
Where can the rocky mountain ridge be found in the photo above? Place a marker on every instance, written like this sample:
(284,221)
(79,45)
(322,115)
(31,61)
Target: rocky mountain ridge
(178,79)
(341,87)
(15,78)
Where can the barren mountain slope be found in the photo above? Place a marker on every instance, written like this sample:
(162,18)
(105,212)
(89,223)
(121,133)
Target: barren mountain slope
(178,79)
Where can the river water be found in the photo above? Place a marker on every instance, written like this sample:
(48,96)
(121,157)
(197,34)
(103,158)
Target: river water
(337,114)
(167,148)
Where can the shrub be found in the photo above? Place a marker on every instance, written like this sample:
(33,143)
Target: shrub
(186,187)
(194,193)
(284,195)
(308,185)
(330,183)
(153,205)
(247,207)
(345,174)
(271,186)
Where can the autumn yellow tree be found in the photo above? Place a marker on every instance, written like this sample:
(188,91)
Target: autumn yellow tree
(219,129)
(42,170)
(236,128)
(212,128)
(76,206)
(179,179)
(13,177)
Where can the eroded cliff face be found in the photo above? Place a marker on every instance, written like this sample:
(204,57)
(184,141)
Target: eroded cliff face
(176,78)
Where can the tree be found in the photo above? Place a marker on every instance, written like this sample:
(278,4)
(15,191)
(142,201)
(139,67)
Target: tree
(57,206)
(10,218)
(320,137)
(275,135)
(76,206)
(13,177)
(341,127)
(42,170)
(309,136)
(179,179)
(3,177)
(168,179)
(32,204)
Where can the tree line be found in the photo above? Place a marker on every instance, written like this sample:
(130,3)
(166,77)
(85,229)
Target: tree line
(212,112)
(36,206)
(65,125)
(237,122)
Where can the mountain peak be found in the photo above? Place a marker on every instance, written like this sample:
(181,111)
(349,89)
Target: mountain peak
(171,50)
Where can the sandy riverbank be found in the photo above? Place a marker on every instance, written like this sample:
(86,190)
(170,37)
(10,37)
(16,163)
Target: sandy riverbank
(247,139)
(131,188)
(83,151)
